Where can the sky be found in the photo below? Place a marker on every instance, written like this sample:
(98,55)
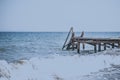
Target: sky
(60,15)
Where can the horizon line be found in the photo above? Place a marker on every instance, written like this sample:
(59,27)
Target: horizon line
(59,31)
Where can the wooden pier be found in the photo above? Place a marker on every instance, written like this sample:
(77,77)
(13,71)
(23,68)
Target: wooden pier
(75,41)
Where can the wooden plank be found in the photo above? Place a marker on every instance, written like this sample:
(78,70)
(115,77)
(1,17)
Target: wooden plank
(114,44)
(97,42)
(90,44)
(71,30)
(87,38)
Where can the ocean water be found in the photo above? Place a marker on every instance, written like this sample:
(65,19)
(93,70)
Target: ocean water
(39,56)
(25,45)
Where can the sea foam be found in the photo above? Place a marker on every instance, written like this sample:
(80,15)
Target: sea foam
(58,67)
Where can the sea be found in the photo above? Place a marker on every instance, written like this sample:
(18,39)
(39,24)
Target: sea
(25,45)
(39,56)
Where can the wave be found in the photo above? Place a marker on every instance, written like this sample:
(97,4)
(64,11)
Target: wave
(58,67)
(2,49)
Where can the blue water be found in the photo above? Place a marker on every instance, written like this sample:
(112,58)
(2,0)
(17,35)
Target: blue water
(24,45)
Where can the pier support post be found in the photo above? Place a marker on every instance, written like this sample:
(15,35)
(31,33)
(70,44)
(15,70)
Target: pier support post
(104,46)
(78,47)
(118,44)
(73,45)
(73,34)
(83,46)
(113,45)
(99,47)
(95,48)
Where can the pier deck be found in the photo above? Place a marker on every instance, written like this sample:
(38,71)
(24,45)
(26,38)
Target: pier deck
(75,41)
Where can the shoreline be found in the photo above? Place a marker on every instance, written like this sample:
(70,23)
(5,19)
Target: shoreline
(73,67)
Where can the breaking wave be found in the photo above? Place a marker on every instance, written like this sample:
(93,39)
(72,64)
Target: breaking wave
(99,66)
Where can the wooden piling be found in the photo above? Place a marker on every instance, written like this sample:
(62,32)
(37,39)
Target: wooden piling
(95,48)
(113,45)
(118,44)
(83,45)
(104,46)
(73,34)
(99,47)
(78,47)
(73,46)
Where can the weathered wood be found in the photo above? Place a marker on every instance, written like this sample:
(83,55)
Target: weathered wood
(90,44)
(118,44)
(82,34)
(104,46)
(71,30)
(73,45)
(99,47)
(83,46)
(113,45)
(98,39)
(78,47)
(95,48)
(94,41)
(68,46)
(75,42)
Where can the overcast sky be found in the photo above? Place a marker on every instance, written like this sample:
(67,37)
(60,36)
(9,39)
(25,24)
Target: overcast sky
(59,15)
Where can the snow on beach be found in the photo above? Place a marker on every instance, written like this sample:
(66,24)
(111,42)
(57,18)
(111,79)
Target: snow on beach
(57,67)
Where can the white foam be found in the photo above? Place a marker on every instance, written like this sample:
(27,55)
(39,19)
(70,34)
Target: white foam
(56,67)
